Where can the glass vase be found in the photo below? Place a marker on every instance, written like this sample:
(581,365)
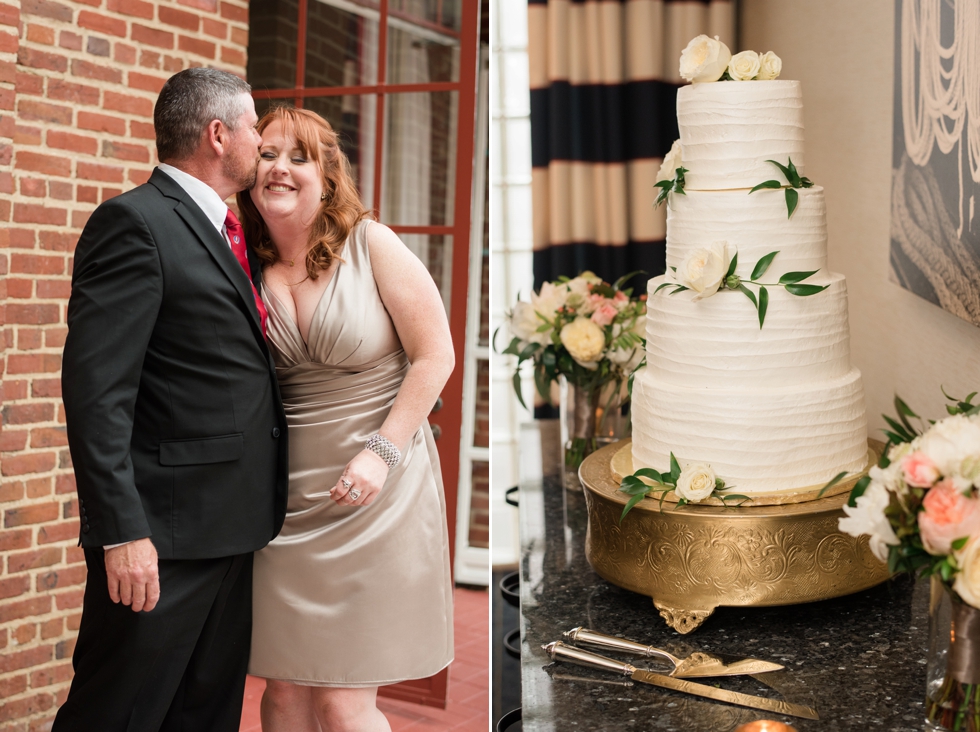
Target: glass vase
(953,663)
(591,417)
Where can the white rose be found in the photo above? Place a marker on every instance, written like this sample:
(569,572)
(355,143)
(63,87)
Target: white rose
(953,445)
(770,66)
(549,299)
(584,340)
(671,163)
(524,324)
(704,59)
(868,517)
(696,482)
(744,66)
(704,269)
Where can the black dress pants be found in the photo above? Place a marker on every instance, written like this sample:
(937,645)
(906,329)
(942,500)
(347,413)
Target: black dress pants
(179,668)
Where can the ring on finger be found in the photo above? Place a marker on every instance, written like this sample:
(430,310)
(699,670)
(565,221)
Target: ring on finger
(354,494)
(346,482)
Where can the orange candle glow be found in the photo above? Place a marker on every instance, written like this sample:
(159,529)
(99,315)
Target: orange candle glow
(765,725)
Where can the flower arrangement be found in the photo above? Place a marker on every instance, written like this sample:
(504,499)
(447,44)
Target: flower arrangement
(708,270)
(920,508)
(708,59)
(584,329)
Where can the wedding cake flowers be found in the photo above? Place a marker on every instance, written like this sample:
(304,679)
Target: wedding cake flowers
(707,59)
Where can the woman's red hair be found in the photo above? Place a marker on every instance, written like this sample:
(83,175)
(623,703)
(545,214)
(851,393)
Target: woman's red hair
(339,212)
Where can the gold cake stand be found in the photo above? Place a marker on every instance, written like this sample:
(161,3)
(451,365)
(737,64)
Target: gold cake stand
(782,548)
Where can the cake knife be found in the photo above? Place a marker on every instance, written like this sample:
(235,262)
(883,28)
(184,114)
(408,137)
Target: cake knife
(561,652)
(694,666)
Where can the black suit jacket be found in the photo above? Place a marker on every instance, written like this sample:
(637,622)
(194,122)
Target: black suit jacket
(175,422)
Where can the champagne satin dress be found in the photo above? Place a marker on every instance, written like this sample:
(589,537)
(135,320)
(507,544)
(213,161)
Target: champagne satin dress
(350,595)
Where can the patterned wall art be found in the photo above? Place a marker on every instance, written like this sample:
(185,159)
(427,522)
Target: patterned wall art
(935,212)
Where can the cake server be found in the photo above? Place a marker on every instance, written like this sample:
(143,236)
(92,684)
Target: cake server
(561,652)
(694,666)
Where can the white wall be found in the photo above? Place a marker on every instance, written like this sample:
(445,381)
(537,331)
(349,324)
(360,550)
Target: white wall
(843,52)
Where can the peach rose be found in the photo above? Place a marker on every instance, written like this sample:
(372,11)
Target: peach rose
(919,469)
(947,515)
(604,314)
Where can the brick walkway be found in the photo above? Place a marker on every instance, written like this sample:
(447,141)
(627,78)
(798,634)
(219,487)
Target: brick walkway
(469,678)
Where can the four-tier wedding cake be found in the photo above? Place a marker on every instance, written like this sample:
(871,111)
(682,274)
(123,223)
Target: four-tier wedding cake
(748,357)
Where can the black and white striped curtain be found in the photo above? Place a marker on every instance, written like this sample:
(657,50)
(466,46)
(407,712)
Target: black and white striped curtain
(604,78)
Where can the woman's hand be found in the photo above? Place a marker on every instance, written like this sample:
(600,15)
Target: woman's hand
(366,473)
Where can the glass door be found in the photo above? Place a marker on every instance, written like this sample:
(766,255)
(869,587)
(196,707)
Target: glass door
(398,80)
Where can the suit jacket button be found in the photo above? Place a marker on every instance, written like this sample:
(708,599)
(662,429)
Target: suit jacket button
(84,528)
(275,432)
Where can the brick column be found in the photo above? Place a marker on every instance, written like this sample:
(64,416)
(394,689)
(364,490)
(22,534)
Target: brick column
(77,86)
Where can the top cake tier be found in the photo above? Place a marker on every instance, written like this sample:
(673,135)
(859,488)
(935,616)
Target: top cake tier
(730,128)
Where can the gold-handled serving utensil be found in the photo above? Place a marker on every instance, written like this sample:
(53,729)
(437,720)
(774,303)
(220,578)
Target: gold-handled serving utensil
(697,665)
(562,652)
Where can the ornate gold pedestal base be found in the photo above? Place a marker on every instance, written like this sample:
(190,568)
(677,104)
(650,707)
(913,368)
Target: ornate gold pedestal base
(693,559)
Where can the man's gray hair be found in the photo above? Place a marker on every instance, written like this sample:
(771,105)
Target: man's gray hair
(189,102)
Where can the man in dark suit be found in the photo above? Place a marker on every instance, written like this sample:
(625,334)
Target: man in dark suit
(176,428)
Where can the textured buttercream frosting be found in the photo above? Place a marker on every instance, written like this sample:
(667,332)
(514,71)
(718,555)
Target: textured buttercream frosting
(759,439)
(754,225)
(730,128)
(717,343)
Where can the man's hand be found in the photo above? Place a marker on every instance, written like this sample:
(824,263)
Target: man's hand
(134,578)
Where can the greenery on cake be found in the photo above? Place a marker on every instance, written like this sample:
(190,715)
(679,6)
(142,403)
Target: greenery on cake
(708,270)
(795,181)
(692,484)
(670,177)
(707,59)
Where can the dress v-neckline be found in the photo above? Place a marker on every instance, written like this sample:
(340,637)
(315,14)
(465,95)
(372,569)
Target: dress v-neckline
(289,319)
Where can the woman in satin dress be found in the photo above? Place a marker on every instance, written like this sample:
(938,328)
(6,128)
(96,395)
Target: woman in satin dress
(356,590)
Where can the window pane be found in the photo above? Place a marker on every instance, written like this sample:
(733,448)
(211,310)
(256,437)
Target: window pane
(353,118)
(419,159)
(479,534)
(484,338)
(481,426)
(435,13)
(435,251)
(417,55)
(273,33)
(341,46)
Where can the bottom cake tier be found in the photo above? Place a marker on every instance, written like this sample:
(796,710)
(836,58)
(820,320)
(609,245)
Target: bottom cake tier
(757,440)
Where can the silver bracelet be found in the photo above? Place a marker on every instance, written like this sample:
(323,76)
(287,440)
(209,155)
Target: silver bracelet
(384,449)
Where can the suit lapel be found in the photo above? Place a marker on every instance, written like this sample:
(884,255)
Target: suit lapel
(194,217)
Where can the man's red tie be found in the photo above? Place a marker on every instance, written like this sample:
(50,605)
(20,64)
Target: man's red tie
(237,237)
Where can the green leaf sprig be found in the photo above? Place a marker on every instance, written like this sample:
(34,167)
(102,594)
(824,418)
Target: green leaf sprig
(665,483)
(674,185)
(795,181)
(792,282)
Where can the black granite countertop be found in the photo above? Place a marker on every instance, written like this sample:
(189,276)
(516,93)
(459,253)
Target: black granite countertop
(859,660)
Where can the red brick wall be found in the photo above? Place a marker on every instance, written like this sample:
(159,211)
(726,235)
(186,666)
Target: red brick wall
(77,86)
